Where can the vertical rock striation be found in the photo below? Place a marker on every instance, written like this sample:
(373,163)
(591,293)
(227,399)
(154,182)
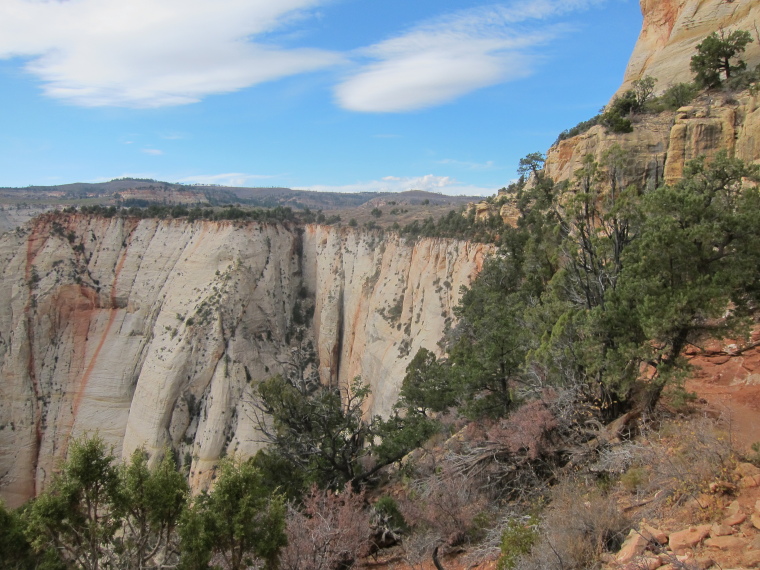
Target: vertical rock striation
(153,332)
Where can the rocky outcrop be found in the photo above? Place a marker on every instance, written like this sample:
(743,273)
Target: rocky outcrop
(12,217)
(672,29)
(153,332)
(731,540)
(660,145)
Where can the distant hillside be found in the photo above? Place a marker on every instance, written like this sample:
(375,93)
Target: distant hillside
(142,192)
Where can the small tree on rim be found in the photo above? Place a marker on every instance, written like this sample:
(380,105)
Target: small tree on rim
(715,54)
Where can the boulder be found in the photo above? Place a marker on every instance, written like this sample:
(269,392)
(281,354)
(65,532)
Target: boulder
(726,543)
(747,470)
(721,530)
(734,519)
(635,545)
(683,540)
(654,534)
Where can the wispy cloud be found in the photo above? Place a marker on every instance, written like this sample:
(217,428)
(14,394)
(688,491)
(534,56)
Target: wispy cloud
(152,53)
(226,179)
(446,58)
(153,151)
(429,182)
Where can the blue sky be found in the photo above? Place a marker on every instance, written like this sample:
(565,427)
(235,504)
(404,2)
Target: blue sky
(349,95)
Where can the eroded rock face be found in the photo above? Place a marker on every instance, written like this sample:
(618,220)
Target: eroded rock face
(672,29)
(660,145)
(152,332)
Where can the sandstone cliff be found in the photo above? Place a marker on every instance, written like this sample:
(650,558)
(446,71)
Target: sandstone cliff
(672,29)
(152,332)
(660,145)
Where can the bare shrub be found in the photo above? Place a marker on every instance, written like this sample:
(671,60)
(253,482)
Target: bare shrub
(579,525)
(331,531)
(514,456)
(682,459)
(447,504)
(525,431)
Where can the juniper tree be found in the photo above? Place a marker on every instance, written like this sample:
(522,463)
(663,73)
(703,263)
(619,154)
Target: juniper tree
(717,54)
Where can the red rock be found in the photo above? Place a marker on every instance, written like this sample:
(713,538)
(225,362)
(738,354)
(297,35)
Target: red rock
(703,563)
(726,543)
(683,540)
(655,534)
(634,546)
(749,482)
(751,559)
(733,508)
(756,521)
(645,563)
(735,519)
(747,470)
(721,530)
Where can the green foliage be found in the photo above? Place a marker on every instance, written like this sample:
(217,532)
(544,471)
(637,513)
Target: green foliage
(592,285)
(697,254)
(717,55)
(95,513)
(638,99)
(426,386)
(643,91)
(239,523)
(754,457)
(517,539)
(457,225)
(315,428)
(149,506)
(15,550)
(398,435)
(76,516)
(229,212)
(318,435)
(386,509)
(615,114)
(578,129)
(678,95)
(634,478)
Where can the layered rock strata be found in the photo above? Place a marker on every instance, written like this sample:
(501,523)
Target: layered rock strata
(154,332)
(660,145)
(672,29)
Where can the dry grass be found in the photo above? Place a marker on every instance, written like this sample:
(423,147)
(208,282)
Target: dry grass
(579,525)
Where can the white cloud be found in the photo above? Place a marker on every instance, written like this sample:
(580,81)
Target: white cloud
(226,179)
(152,53)
(451,56)
(153,151)
(429,182)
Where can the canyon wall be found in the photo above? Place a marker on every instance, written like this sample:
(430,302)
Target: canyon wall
(660,145)
(154,332)
(672,29)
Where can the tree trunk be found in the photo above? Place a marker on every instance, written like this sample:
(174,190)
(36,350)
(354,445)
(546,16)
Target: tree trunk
(436,561)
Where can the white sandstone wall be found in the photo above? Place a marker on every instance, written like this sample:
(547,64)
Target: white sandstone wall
(152,332)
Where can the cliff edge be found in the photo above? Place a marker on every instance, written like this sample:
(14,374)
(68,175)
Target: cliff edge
(672,29)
